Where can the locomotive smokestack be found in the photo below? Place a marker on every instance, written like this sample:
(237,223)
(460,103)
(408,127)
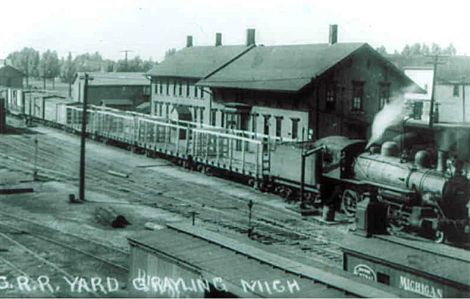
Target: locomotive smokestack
(441,160)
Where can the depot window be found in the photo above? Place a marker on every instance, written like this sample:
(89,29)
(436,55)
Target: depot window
(213,117)
(253,122)
(331,96)
(357,96)
(266,124)
(278,126)
(456,90)
(201,115)
(295,128)
(384,94)
(167,87)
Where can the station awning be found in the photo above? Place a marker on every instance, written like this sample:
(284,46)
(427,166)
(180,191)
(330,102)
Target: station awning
(116,102)
(236,107)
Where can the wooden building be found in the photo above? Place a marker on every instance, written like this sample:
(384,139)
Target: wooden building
(452,90)
(174,91)
(305,91)
(10,76)
(124,91)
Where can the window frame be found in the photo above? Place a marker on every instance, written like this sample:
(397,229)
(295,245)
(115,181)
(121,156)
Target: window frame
(266,124)
(357,86)
(295,128)
(278,130)
(456,91)
(384,94)
(331,96)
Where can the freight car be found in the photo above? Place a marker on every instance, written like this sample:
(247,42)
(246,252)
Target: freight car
(338,175)
(38,106)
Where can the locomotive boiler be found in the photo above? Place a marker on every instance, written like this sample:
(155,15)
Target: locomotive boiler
(419,198)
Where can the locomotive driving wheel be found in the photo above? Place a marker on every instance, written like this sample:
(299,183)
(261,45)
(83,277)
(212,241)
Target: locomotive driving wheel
(349,200)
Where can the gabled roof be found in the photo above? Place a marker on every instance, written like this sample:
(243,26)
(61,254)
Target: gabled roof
(282,68)
(115,79)
(8,70)
(451,71)
(196,62)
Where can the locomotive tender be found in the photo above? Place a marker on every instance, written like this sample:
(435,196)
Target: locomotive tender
(342,172)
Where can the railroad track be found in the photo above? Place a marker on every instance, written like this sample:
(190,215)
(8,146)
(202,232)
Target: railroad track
(42,265)
(272,226)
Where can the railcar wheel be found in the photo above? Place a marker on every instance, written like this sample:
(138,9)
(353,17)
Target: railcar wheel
(439,236)
(208,171)
(349,200)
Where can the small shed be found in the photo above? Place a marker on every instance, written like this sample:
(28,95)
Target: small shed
(11,77)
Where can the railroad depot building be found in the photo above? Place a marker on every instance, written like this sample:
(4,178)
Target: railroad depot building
(10,76)
(124,91)
(305,91)
(283,91)
(452,90)
(174,91)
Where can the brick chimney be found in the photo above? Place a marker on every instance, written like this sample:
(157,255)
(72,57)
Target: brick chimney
(218,39)
(189,41)
(333,38)
(250,37)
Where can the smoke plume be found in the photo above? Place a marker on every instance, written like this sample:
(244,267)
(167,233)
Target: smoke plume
(391,114)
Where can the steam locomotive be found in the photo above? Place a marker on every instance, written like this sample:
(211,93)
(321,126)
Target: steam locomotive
(340,172)
(414,197)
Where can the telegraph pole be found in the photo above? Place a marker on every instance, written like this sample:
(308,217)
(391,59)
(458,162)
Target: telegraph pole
(81,189)
(463,98)
(435,62)
(125,58)
(69,62)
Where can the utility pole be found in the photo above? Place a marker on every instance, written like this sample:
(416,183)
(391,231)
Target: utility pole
(35,173)
(125,58)
(250,228)
(463,98)
(69,62)
(435,62)
(81,189)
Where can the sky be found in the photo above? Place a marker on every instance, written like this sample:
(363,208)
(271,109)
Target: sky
(150,27)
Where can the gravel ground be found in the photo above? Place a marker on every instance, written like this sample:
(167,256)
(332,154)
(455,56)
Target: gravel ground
(155,191)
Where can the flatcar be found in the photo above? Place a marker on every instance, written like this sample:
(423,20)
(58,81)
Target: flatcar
(419,199)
